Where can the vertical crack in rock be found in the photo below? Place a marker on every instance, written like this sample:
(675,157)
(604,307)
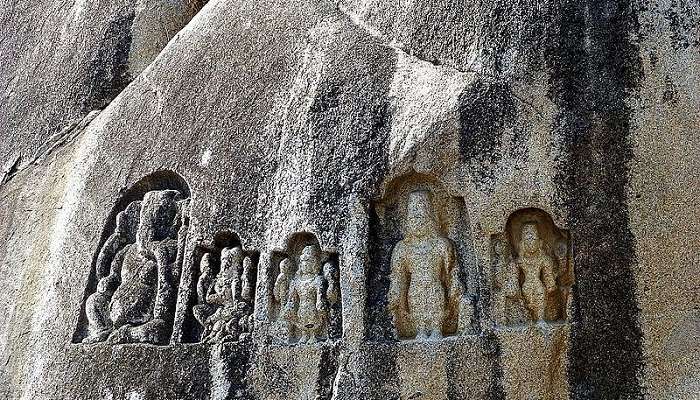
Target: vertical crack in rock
(594,66)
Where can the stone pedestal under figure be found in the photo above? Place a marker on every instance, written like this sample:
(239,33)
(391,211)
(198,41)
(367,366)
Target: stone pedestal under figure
(425,288)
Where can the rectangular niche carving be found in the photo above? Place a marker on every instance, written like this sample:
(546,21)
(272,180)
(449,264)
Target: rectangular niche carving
(305,293)
(532,270)
(134,282)
(225,276)
(422,261)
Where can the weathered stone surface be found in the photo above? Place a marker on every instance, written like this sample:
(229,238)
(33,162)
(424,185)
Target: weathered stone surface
(316,119)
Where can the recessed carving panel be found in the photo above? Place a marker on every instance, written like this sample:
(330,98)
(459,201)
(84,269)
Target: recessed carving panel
(533,270)
(225,291)
(306,291)
(134,284)
(421,263)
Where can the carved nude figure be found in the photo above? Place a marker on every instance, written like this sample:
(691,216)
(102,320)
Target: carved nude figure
(109,263)
(537,268)
(424,282)
(305,309)
(222,296)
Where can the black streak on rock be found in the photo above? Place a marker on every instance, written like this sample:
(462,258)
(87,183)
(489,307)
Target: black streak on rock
(493,349)
(327,371)
(593,69)
(109,70)
(237,361)
(485,111)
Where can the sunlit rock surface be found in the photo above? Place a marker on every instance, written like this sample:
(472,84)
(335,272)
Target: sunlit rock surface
(205,200)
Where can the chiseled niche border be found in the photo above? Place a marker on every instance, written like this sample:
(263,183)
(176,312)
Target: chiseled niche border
(132,289)
(532,270)
(304,294)
(417,283)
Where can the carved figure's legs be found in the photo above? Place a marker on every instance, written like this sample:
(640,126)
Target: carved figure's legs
(97,312)
(534,301)
(152,332)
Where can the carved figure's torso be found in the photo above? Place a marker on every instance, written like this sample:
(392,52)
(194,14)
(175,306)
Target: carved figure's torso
(308,290)
(134,299)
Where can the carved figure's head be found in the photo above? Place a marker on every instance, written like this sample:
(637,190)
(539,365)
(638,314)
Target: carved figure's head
(530,241)
(231,260)
(310,260)
(329,270)
(287,267)
(160,217)
(420,217)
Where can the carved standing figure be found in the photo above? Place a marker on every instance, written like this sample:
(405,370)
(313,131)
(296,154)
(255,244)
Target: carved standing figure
(537,269)
(332,278)
(424,282)
(306,310)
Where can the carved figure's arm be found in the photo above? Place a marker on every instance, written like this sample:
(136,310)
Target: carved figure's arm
(511,285)
(548,274)
(320,303)
(277,291)
(332,293)
(247,287)
(292,298)
(452,272)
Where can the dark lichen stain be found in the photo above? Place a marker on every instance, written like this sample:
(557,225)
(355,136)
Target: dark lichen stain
(493,348)
(379,324)
(684,22)
(108,72)
(486,109)
(594,67)
(237,361)
(327,370)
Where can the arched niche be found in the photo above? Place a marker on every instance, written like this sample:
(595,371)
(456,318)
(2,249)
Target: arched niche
(516,285)
(388,222)
(167,212)
(285,273)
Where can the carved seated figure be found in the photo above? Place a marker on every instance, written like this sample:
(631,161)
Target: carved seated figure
(537,269)
(141,307)
(425,289)
(225,311)
(306,310)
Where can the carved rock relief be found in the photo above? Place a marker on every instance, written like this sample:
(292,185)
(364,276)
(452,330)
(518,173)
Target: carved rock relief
(419,262)
(137,272)
(225,292)
(425,289)
(306,291)
(533,270)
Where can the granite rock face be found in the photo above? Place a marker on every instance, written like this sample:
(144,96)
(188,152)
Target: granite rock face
(349,199)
